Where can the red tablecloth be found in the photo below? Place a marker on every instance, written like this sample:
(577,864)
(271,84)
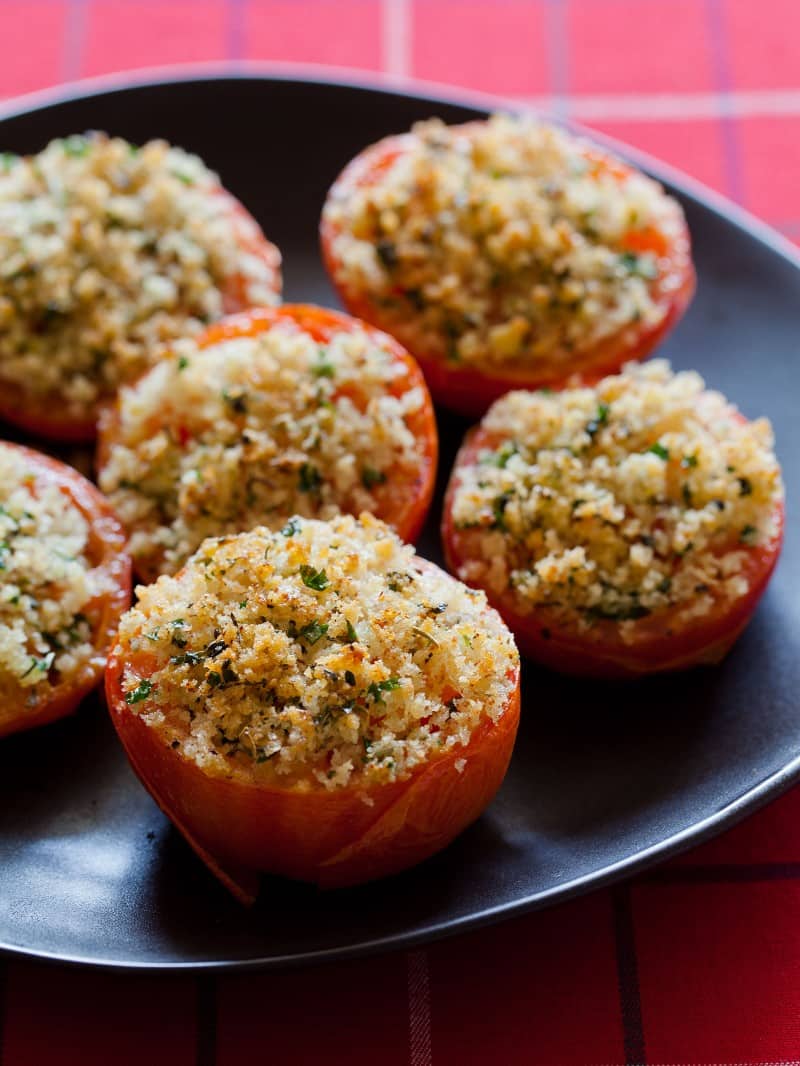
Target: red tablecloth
(695,963)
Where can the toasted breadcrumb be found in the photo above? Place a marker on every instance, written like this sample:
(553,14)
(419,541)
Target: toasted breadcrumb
(108,253)
(643,494)
(503,243)
(326,654)
(252,430)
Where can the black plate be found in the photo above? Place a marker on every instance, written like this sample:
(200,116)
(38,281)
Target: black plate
(604,779)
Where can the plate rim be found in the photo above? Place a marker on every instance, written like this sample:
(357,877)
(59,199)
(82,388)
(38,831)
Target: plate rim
(748,802)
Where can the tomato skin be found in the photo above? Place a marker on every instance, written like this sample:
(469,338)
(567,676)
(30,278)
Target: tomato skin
(44,416)
(405,510)
(107,546)
(331,838)
(470,390)
(601,652)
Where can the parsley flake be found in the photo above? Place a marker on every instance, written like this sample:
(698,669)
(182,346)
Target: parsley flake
(314,579)
(141,692)
(377,688)
(370,477)
(659,450)
(309,478)
(314,631)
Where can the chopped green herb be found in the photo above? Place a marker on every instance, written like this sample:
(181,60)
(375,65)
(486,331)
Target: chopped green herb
(236,400)
(600,419)
(500,458)
(314,579)
(141,692)
(229,675)
(292,527)
(659,450)
(177,637)
(183,362)
(76,147)
(370,477)
(377,688)
(352,635)
(309,478)
(643,266)
(314,631)
(323,368)
(499,509)
(748,535)
(189,658)
(689,461)
(387,253)
(620,614)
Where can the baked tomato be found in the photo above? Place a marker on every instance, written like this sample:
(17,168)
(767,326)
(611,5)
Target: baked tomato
(343,782)
(67,580)
(618,571)
(500,272)
(132,270)
(320,414)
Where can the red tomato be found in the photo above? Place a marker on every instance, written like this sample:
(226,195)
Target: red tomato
(106,551)
(601,652)
(330,837)
(45,416)
(470,390)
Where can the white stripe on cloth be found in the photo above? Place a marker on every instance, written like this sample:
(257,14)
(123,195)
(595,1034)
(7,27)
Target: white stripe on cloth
(676,107)
(396,37)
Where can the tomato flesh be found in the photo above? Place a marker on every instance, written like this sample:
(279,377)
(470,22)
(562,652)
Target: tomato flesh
(332,838)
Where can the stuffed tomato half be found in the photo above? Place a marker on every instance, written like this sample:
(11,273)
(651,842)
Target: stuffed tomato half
(316,702)
(620,530)
(506,254)
(65,580)
(110,253)
(268,414)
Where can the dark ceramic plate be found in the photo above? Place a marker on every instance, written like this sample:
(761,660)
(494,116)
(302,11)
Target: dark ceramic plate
(604,780)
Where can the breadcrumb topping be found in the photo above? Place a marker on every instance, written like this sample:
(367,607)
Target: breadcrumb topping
(252,430)
(643,494)
(323,654)
(108,252)
(47,582)
(504,243)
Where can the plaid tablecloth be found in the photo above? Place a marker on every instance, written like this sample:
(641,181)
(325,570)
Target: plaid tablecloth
(695,963)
